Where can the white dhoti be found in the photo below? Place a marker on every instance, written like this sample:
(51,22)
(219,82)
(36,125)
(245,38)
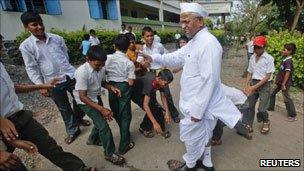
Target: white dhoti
(196,136)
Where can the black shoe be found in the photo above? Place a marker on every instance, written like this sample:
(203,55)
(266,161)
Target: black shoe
(176,119)
(270,109)
(184,167)
(199,164)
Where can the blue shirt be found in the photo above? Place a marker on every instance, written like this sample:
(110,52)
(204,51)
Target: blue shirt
(85,46)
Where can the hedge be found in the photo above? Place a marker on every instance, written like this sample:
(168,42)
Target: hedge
(275,45)
(73,39)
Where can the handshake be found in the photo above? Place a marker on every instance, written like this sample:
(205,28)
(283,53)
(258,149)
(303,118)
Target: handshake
(145,60)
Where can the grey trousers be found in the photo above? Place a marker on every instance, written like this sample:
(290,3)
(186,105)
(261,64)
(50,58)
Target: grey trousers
(263,94)
(287,100)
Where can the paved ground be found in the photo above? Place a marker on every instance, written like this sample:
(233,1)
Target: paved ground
(285,140)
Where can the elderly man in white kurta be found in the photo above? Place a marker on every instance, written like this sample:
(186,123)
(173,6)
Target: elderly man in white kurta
(202,101)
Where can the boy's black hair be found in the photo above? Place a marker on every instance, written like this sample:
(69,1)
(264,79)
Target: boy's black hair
(96,53)
(86,37)
(185,38)
(122,42)
(291,47)
(130,36)
(92,31)
(123,25)
(28,17)
(130,27)
(1,37)
(166,75)
(146,29)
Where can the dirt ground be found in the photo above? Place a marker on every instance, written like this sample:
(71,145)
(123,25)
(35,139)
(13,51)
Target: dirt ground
(285,140)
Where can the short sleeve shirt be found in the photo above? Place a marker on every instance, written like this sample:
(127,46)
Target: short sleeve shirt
(286,65)
(143,85)
(263,66)
(90,80)
(85,46)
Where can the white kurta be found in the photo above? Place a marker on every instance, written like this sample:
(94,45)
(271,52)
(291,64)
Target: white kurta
(201,93)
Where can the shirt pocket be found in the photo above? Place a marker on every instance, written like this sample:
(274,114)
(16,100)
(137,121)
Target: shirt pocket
(191,66)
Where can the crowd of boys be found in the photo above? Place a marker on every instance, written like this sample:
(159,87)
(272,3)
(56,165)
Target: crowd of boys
(128,77)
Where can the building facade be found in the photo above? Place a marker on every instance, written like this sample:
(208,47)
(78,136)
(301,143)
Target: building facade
(74,15)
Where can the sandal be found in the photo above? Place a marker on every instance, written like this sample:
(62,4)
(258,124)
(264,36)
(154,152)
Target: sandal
(70,138)
(84,122)
(147,134)
(291,119)
(265,128)
(216,142)
(247,136)
(115,159)
(166,134)
(130,146)
(249,128)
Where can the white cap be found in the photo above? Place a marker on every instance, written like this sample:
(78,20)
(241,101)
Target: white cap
(193,7)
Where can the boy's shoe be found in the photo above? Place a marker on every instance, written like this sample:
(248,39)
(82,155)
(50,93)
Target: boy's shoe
(265,128)
(176,119)
(199,164)
(216,142)
(291,119)
(130,146)
(166,134)
(270,109)
(115,159)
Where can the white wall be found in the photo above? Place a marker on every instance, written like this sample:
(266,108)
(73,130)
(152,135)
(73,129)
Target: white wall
(75,14)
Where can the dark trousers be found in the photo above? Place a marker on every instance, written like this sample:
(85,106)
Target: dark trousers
(263,93)
(71,117)
(121,108)
(30,130)
(174,112)
(287,100)
(239,127)
(156,109)
(101,132)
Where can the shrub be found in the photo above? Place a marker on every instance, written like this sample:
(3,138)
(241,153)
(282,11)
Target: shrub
(276,41)
(73,40)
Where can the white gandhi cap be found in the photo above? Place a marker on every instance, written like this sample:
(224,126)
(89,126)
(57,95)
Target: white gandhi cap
(193,7)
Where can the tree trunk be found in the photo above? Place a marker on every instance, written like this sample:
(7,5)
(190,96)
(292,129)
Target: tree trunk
(297,15)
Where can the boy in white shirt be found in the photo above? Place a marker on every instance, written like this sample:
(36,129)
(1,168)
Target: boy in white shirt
(46,57)
(121,74)
(93,38)
(89,78)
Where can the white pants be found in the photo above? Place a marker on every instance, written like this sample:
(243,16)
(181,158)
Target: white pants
(196,136)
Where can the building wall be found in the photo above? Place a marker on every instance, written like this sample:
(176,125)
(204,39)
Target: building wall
(75,14)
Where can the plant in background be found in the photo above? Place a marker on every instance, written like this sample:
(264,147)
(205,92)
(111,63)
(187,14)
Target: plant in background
(276,41)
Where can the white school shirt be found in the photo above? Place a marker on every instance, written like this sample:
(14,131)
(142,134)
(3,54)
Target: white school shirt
(94,41)
(201,94)
(265,65)
(249,46)
(46,60)
(235,95)
(9,103)
(119,68)
(156,48)
(90,80)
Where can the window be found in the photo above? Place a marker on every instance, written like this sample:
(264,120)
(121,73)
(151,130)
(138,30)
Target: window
(35,6)
(134,14)
(51,7)
(13,5)
(103,9)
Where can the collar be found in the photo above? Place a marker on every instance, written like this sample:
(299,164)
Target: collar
(204,29)
(48,37)
(262,56)
(120,53)
(89,67)
(155,85)
(289,57)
